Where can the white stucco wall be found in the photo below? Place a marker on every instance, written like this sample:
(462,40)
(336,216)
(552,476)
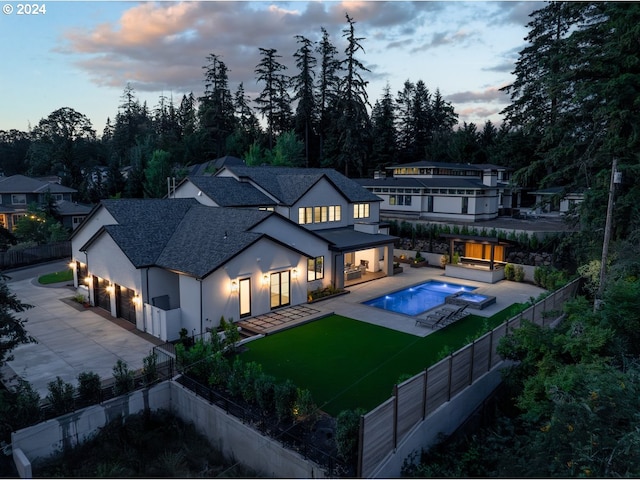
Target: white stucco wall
(190,304)
(107,261)
(162,282)
(298,238)
(88,229)
(323,194)
(189,190)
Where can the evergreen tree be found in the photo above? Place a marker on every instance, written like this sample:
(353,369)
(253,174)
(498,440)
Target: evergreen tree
(158,170)
(216,106)
(353,123)
(305,118)
(273,101)
(383,131)
(327,88)
(12,329)
(247,131)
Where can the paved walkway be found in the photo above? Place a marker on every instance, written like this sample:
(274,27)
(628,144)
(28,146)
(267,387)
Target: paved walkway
(70,340)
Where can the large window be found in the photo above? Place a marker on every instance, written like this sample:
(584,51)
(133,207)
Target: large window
(315,269)
(19,199)
(399,199)
(360,210)
(320,214)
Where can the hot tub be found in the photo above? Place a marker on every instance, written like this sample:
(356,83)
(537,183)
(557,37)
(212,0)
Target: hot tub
(473,300)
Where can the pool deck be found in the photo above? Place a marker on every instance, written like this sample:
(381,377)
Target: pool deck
(505,291)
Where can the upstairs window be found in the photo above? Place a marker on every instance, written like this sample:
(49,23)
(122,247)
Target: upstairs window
(361,210)
(19,199)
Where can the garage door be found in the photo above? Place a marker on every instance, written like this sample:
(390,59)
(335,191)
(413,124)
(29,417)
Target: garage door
(125,307)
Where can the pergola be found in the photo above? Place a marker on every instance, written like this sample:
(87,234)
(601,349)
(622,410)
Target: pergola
(487,250)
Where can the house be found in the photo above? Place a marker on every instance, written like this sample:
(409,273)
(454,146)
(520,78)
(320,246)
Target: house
(556,199)
(222,248)
(444,191)
(17,192)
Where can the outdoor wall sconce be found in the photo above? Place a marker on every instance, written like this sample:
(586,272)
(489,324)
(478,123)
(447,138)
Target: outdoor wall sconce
(136,299)
(87,280)
(294,273)
(72,265)
(265,279)
(234,287)
(111,288)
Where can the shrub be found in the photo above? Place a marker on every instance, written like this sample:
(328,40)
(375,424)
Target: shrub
(509,271)
(518,274)
(305,407)
(419,257)
(347,432)
(89,387)
(231,335)
(27,406)
(251,372)
(236,377)
(124,378)
(60,396)
(79,298)
(285,399)
(150,368)
(456,258)
(265,392)
(219,369)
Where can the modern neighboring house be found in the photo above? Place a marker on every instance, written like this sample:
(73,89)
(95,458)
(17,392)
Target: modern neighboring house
(17,192)
(444,191)
(556,199)
(222,247)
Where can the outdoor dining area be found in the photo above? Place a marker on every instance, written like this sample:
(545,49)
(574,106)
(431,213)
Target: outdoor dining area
(443,316)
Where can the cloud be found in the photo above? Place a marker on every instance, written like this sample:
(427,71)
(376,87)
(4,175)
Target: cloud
(445,38)
(489,95)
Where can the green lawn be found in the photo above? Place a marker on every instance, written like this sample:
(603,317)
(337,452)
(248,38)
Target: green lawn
(346,363)
(63,276)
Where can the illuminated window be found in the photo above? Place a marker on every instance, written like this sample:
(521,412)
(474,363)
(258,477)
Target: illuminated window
(315,269)
(360,210)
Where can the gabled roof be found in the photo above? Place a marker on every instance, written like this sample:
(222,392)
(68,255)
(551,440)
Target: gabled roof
(66,207)
(181,234)
(212,166)
(229,192)
(24,184)
(289,184)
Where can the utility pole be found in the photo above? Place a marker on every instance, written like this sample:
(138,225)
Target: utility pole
(616,177)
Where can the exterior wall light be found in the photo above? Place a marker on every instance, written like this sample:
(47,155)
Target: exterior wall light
(136,299)
(265,279)
(294,273)
(111,288)
(87,280)
(234,287)
(72,265)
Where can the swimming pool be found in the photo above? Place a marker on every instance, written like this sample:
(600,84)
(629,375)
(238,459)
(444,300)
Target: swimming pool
(419,298)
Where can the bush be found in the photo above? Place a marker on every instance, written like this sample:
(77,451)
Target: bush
(285,399)
(124,378)
(251,372)
(518,274)
(236,377)
(347,432)
(509,271)
(150,368)
(305,407)
(60,396)
(265,392)
(27,406)
(89,387)
(231,335)
(219,369)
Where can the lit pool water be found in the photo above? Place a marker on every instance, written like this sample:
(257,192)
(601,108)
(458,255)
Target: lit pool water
(419,298)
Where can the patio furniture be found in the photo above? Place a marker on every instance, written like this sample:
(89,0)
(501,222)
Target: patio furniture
(432,321)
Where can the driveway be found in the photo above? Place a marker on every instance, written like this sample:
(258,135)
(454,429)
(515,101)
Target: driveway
(70,340)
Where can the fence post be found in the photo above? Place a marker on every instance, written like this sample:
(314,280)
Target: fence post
(424,394)
(473,356)
(450,376)
(360,448)
(395,416)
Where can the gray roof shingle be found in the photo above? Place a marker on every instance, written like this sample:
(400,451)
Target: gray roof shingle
(228,192)
(288,184)
(24,184)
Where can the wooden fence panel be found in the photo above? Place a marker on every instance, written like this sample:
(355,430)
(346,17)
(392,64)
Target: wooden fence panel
(461,370)
(409,401)
(498,332)
(437,385)
(481,356)
(32,255)
(377,436)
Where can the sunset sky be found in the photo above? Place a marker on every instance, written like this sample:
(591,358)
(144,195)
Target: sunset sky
(81,54)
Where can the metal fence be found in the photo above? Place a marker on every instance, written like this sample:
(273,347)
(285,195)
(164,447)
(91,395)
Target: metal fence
(32,255)
(383,428)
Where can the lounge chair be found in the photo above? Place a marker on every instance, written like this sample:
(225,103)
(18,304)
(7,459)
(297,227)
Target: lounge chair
(455,314)
(432,321)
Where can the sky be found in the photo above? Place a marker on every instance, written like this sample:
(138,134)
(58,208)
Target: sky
(82,54)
